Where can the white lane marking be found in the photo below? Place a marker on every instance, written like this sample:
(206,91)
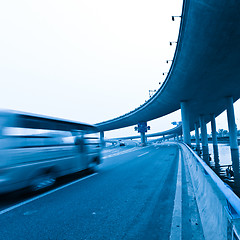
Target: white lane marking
(176,228)
(143,154)
(111,151)
(122,152)
(44,194)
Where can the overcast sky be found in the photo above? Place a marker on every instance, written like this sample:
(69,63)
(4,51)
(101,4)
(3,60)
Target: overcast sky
(88,60)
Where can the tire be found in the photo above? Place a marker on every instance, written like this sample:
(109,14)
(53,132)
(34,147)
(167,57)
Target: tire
(42,181)
(92,167)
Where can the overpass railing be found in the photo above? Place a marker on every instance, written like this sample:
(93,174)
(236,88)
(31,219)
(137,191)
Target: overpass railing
(218,205)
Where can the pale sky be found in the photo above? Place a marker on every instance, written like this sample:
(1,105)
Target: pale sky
(88,60)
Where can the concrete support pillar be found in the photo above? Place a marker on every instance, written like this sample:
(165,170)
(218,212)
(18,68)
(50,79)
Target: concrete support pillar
(177,137)
(233,142)
(102,139)
(185,123)
(197,138)
(204,140)
(181,137)
(143,139)
(215,143)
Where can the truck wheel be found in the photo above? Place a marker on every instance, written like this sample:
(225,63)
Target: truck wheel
(42,181)
(92,167)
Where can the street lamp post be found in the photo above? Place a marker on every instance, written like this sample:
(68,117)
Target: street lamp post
(151,93)
(171,43)
(173,17)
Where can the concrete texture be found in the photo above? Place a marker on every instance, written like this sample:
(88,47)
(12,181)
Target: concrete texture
(218,206)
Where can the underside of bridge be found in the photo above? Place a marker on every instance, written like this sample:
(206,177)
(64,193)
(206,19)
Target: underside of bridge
(205,69)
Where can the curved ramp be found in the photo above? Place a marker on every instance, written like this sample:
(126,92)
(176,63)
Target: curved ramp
(205,68)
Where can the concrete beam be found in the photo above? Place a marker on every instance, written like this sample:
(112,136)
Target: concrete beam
(204,139)
(197,138)
(233,141)
(102,139)
(185,123)
(143,139)
(215,143)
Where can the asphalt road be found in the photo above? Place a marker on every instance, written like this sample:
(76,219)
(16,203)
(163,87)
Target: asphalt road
(133,195)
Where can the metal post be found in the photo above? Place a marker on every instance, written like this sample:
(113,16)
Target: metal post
(233,141)
(185,123)
(143,139)
(197,138)
(215,143)
(204,140)
(102,139)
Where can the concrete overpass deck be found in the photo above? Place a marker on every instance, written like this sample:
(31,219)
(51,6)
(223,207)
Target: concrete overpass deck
(204,78)
(205,67)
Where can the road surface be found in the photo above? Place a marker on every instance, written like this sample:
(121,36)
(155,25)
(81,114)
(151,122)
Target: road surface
(137,193)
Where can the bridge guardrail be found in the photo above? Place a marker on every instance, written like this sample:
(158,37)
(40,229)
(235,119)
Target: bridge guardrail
(218,205)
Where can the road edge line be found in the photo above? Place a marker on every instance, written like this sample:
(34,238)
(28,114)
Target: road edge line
(43,195)
(176,227)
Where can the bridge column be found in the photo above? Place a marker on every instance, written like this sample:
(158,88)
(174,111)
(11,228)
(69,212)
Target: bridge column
(143,139)
(197,138)
(204,140)
(185,123)
(177,137)
(142,129)
(102,139)
(233,141)
(215,143)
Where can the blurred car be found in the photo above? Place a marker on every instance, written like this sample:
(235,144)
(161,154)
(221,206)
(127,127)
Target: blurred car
(122,144)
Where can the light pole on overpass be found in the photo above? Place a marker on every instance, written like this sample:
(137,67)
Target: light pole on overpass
(173,17)
(152,92)
(171,43)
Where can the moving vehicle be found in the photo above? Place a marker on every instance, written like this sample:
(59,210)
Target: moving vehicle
(36,150)
(121,144)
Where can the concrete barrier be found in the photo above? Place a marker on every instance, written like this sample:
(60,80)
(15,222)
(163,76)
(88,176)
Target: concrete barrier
(218,206)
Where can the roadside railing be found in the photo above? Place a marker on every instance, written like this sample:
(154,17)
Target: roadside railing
(218,205)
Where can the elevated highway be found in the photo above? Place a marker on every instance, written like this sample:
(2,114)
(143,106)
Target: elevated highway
(204,78)
(171,132)
(205,68)
(163,191)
